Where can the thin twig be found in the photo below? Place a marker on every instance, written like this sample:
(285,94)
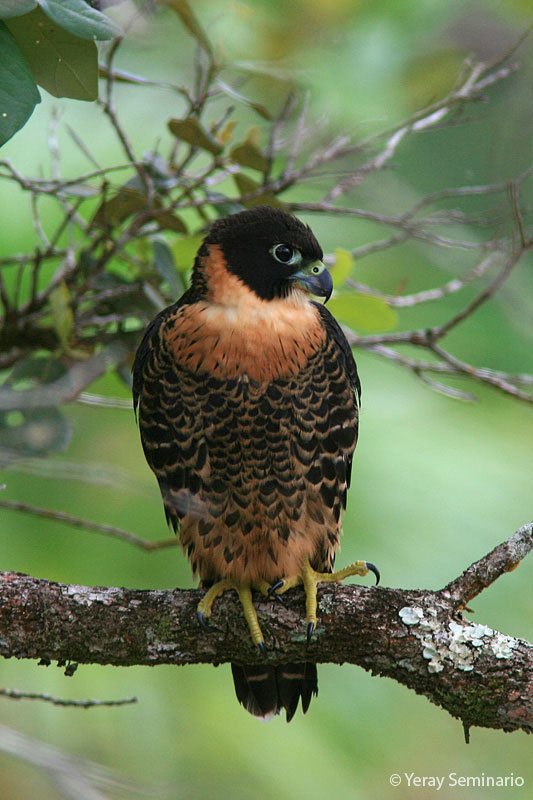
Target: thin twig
(109,110)
(428,295)
(438,332)
(88,525)
(15,694)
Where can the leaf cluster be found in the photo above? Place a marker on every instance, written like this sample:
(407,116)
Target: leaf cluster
(50,43)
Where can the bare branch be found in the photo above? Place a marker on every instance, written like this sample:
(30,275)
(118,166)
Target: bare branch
(88,525)
(15,694)
(419,638)
(441,331)
(428,295)
(109,110)
(122,76)
(37,223)
(504,558)
(68,386)
(495,379)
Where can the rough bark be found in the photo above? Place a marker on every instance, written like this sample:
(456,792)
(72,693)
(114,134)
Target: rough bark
(417,637)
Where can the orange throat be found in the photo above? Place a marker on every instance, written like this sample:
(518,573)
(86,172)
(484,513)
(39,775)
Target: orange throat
(235,333)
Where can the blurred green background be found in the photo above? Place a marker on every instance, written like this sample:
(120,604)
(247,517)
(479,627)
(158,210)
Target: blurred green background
(437,483)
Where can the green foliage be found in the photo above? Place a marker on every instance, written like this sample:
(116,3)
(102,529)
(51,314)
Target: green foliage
(62,63)
(184,250)
(52,45)
(248,153)
(342,267)
(118,208)
(80,19)
(247,186)
(18,92)
(62,316)
(363,311)
(190,21)
(192,132)
(259,108)
(14,8)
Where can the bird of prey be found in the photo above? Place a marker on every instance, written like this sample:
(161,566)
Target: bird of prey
(247,398)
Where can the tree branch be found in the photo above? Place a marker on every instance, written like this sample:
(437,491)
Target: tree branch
(417,637)
(14,694)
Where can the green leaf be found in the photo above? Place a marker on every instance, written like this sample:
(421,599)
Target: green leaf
(343,266)
(168,221)
(18,92)
(118,208)
(259,108)
(363,311)
(190,22)
(62,316)
(63,64)
(189,130)
(80,19)
(185,249)
(15,8)
(246,185)
(248,154)
(166,266)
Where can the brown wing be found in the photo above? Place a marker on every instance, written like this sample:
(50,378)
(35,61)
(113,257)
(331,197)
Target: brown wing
(253,472)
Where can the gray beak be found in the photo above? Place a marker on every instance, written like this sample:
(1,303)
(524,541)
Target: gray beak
(316,278)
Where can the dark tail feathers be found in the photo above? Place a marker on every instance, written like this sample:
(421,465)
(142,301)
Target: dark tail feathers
(264,690)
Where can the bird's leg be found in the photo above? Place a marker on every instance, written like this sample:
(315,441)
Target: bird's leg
(310,579)
(205,606)
(244,591)
(250,614)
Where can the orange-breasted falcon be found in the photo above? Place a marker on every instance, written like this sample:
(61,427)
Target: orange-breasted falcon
(247,395)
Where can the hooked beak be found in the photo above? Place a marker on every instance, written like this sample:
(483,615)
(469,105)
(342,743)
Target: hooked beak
(316,278)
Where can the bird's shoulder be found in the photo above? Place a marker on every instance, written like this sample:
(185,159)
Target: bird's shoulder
(150,344)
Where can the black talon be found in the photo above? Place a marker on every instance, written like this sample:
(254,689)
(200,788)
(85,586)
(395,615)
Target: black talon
(372,567)
(310,631)
(276,596)
(272,593)
(262,649)
(274,588)
(203,620)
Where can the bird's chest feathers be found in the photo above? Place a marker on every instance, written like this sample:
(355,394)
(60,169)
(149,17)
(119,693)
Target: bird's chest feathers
(246,336)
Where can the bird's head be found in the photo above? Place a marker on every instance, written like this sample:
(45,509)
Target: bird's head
(267,250)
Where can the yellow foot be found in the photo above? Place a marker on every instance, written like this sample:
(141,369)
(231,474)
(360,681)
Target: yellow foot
(311,579)
(205,606)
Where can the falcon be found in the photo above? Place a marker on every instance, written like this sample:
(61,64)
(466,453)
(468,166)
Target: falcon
(247,398)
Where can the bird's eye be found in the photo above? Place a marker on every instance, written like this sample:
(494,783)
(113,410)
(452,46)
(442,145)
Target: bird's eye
(286,254)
